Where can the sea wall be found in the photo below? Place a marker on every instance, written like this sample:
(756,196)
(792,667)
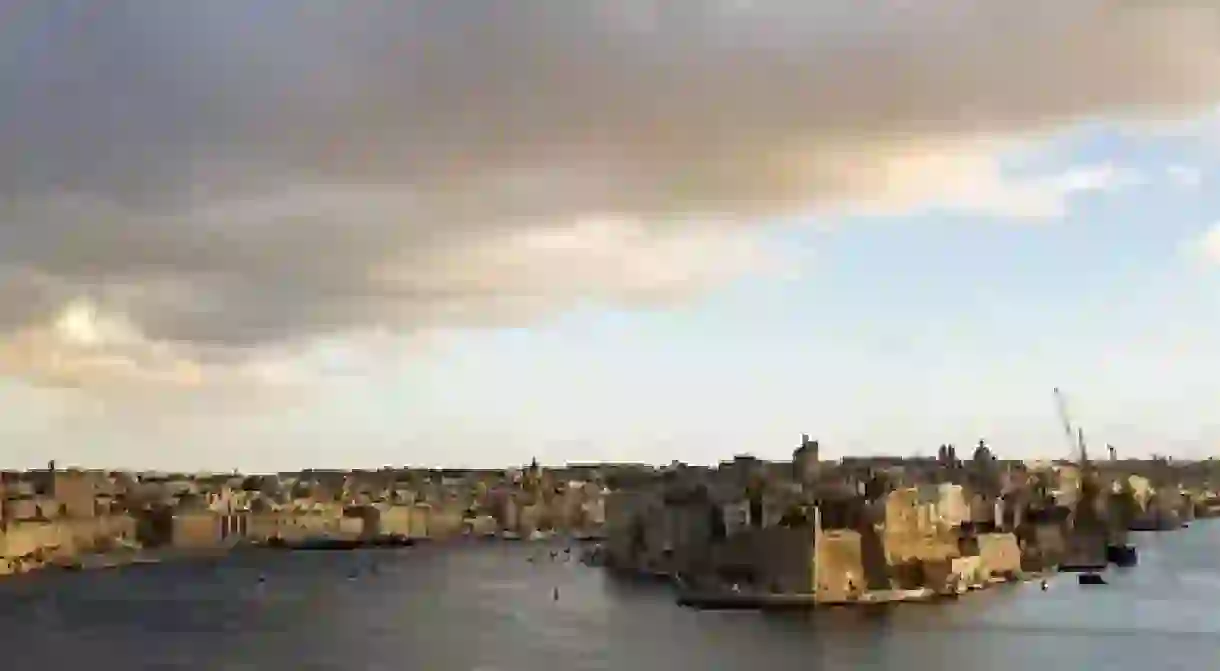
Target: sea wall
(1049,546)
(784,559)
(444,522)
(953,575)
(914,532)
(999,555)
(967,571)
(771,559)
(393,520)
(840,575)
(418,526)
(196,530)
(295,526)
(27,545)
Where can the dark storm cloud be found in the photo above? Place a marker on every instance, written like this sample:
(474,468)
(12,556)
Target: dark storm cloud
(233,174)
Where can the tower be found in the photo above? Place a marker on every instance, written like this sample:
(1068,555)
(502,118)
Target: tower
(805,461)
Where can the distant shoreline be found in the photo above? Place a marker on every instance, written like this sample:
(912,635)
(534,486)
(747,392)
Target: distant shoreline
(122,558)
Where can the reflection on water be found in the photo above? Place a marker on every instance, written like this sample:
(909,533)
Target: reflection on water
(487,607)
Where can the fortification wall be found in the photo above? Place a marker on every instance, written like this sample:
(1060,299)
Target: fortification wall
(840,566)
(25,545)
(999,554)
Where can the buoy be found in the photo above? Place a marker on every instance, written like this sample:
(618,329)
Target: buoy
(1045,585)
(555,594)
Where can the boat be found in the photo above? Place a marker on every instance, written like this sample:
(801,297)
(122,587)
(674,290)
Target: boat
(69,565)
(1122,555)
(1156,523)
(330,543)
(593,556)
(1087,566)
(390,541)
(1091,579)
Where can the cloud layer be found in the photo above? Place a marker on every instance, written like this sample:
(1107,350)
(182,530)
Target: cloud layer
(231,178)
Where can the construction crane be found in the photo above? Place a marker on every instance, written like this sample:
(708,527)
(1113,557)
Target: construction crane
(1088,487)
(1075,437)
(1090,535)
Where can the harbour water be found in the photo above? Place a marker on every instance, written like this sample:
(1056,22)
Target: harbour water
(485,606)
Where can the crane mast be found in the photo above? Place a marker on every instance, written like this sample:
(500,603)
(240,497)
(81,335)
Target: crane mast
(1075,436)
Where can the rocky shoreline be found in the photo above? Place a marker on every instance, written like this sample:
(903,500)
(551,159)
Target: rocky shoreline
(96,561)
(749,600)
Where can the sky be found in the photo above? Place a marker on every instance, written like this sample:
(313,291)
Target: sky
(327,234)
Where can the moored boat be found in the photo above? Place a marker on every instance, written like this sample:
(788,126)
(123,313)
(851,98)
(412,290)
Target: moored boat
(1122,555)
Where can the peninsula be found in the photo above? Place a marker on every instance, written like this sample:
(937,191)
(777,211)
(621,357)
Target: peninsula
(848,530)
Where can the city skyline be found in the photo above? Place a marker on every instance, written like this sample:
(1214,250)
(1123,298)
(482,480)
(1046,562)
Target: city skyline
(275,238)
